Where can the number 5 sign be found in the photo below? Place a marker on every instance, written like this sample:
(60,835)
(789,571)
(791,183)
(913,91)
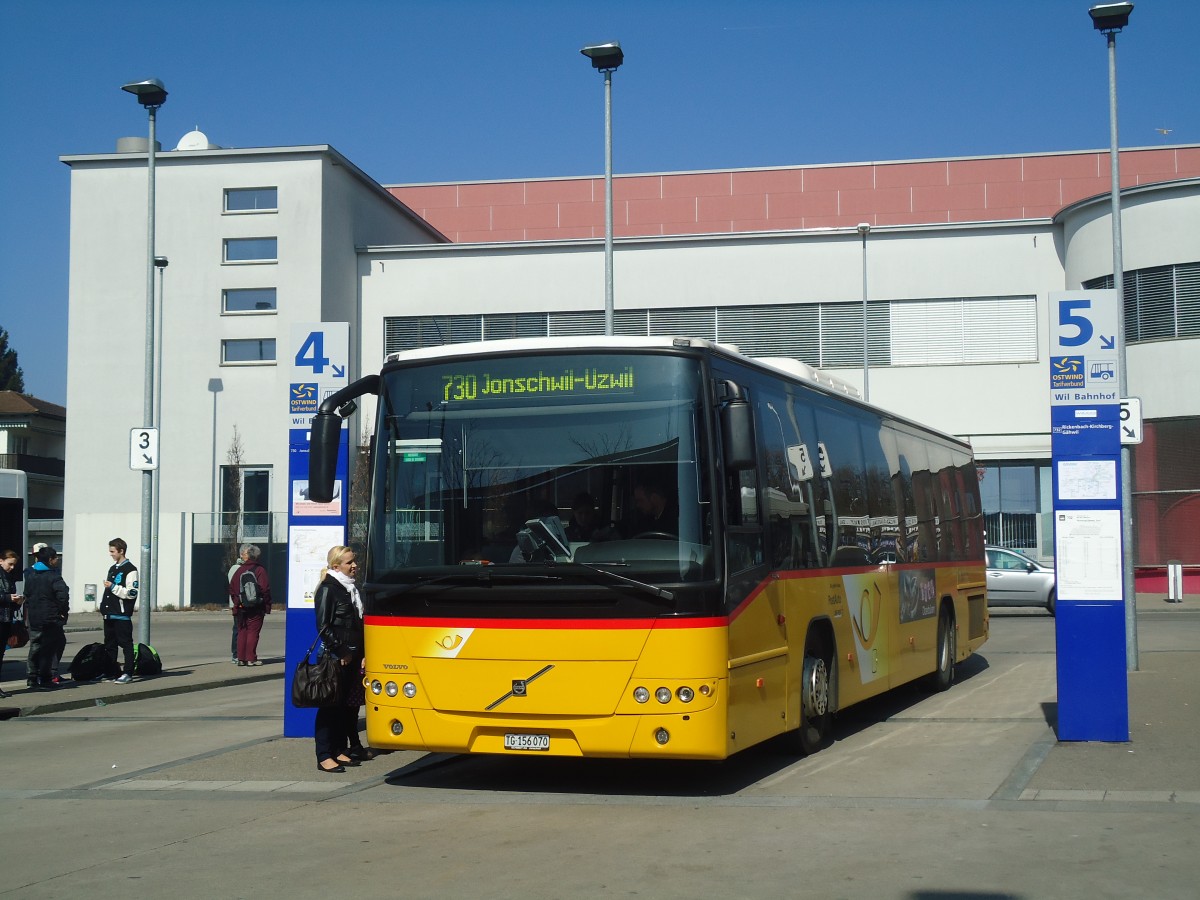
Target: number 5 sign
(1084,357)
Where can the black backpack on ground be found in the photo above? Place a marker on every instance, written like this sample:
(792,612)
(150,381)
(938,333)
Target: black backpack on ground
(146,661)
(251,595)
(90,663)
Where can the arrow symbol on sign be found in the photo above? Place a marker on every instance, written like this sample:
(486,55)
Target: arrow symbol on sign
(147,459)
(1127,430)
(339,371)
(1107,343)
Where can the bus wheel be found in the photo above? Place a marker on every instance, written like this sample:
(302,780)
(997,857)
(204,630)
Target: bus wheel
(947,650)
(815,717)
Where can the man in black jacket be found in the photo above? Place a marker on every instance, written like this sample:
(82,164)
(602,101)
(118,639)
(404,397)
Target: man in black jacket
(116,606)
(47,605)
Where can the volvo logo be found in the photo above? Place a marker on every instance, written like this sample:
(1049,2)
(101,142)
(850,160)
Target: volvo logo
(520,687)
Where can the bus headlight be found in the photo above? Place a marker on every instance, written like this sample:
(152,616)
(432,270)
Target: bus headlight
(376,686)
(410,690)
(663,695)
(397,728)
(391,689)
(662,736)
(641,695)
(685,694)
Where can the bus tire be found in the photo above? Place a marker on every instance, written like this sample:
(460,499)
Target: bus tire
(947,651)
(816,716)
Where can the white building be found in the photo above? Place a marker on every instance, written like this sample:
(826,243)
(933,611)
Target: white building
(960,257)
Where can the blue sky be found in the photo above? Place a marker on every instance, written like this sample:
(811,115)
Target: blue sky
(457,90)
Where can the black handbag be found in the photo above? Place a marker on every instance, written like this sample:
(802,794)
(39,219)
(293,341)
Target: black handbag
(318,684)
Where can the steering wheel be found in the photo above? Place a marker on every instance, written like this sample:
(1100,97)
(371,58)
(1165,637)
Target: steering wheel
(657,535)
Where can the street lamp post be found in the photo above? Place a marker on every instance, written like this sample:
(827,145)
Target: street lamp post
(864,228)
(160,263)
(607,58)
(1108,19)
(151,94)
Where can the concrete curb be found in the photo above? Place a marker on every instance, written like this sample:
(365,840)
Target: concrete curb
(127,694)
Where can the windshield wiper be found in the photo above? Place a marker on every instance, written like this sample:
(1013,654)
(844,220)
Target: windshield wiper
(642,586)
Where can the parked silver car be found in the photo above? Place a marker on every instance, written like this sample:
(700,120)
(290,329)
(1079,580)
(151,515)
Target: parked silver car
(1016,580)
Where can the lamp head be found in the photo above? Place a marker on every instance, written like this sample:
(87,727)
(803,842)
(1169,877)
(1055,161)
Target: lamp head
(160,262)
(864,228)
(1109,17)
(150,93)
(604,57)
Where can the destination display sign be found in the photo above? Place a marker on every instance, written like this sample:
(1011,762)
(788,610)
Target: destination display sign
(570,382)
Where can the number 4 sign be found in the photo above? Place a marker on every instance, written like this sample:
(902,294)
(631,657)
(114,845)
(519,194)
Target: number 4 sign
(319,352)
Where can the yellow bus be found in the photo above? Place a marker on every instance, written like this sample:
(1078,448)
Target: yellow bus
(648,547)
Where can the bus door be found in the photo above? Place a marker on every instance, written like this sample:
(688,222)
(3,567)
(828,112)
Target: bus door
(758,651)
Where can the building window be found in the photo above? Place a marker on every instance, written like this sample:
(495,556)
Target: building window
(953,331)
(246,503)
(248,300)
(247,351)
(242,200)
(260,249)
(1166,493)
(1161,302)
(1017,506)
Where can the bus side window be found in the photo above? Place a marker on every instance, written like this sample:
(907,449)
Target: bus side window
(784,495)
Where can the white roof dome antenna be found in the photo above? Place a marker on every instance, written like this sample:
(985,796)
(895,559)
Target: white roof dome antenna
(195,140)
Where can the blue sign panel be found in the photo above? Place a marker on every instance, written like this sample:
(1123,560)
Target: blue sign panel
(1085,441)
(303,399)
(319,352)
(1085,430)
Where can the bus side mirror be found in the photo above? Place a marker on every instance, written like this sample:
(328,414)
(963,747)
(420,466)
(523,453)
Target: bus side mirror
(326,434)
(322,456)
(737,430)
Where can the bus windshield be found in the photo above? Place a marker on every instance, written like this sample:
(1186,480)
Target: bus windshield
(570,468)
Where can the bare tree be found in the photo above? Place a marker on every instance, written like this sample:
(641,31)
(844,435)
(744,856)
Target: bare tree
(359,499)
(231,503)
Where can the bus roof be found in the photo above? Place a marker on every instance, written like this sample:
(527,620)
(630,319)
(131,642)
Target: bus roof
(794,368)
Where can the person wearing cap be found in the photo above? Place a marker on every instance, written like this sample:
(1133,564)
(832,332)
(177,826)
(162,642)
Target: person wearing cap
(47,605)
(53,563)
(116,606)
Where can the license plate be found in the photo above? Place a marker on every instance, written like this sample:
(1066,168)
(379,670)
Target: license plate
(527,742)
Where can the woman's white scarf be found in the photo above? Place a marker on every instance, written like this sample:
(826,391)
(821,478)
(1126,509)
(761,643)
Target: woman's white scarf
(348,583)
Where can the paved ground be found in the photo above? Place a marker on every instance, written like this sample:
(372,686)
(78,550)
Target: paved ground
(169,785)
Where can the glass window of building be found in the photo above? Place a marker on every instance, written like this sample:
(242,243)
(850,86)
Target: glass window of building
(1016,508)
(262,199)
(260,249)
(246,351)
(248,300)
(246,502)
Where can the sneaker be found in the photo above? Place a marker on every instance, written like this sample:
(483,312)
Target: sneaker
(256,662)
(233,660)
(124,679)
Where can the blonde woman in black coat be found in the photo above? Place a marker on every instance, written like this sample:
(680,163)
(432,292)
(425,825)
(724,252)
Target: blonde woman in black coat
(339,612)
